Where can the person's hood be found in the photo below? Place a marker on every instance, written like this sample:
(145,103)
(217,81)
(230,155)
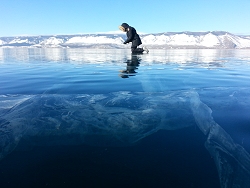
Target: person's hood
(125,25)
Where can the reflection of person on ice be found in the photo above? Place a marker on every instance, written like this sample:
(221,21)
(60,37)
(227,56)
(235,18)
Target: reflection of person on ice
(132,37)
(132,65)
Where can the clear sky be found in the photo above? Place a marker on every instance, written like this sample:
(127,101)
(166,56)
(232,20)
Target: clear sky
(49,17)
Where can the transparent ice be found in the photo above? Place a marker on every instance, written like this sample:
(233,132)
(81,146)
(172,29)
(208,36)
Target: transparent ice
(123,118)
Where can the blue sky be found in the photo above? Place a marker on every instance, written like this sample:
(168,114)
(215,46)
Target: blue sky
(46,17)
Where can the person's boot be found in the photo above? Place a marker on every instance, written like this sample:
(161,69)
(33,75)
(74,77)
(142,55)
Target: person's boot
(145,49)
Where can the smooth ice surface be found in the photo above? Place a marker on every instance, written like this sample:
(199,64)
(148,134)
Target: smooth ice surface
(71,97)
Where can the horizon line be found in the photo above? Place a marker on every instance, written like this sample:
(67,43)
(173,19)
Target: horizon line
(118,32)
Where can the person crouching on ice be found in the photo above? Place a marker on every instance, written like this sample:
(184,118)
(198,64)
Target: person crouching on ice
(133,37)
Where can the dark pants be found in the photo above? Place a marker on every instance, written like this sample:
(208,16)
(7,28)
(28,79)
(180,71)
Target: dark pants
(135,50)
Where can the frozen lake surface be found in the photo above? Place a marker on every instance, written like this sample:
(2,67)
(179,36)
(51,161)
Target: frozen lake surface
(106,118)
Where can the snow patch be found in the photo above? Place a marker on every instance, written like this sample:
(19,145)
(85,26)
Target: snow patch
(209,40)
(17,40)
(2,42)
(94,40)
(52,41)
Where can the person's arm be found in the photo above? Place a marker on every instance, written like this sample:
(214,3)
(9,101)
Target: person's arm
(131,35)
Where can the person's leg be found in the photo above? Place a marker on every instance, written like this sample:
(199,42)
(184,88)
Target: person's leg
(134,49)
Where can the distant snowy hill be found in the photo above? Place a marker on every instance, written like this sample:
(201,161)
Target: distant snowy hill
(215,39)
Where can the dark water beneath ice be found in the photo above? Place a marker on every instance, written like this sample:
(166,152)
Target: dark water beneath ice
(105,118)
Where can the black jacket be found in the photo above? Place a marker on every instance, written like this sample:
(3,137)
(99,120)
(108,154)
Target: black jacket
(132,36)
